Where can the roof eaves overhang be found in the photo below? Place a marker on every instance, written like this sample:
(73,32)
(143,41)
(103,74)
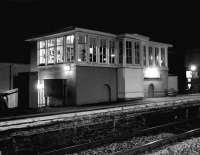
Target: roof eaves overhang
(160,44)
(70,31)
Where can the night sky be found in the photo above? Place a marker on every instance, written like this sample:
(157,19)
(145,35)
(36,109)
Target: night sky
(166,21)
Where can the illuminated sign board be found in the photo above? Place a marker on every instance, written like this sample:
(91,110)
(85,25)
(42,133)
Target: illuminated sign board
(188,74)
(151,72)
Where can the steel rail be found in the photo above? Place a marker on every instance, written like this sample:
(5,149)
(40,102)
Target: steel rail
(87,145)
(159,143)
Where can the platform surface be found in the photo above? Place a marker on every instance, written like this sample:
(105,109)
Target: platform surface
(59,114)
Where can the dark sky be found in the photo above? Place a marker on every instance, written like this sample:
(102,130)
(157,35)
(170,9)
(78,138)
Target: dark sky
(164,21)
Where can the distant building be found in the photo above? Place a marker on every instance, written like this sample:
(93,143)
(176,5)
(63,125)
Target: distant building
(9,73)
(10,78)
(81,66)
(192,64)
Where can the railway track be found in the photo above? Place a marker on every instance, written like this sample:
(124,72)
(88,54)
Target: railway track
(158,143)
(175,126)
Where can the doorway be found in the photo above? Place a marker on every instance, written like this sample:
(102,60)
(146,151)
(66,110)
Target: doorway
(108,93)
(21,81)
(151,90)
(55,92)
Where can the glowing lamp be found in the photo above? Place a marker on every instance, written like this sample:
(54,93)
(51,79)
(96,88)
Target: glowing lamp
(67,68)
(193,67)
(189,85)
(151,72)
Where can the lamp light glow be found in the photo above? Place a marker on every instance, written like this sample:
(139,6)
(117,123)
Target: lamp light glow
(193,67)
(189,85)
(67,68)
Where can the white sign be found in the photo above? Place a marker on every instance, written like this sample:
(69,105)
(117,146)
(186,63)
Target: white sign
(188,74)
(152,72)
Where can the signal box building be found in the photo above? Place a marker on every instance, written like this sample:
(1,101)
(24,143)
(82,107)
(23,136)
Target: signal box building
(81,66)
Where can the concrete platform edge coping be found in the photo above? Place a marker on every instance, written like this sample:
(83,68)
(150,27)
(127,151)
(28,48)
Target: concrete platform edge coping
(35,121)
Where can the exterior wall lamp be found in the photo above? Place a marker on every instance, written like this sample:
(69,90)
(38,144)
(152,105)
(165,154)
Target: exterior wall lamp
(67,68)
(193,68)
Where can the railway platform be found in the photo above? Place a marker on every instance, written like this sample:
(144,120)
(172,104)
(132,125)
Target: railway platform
(49,115)
(72,126)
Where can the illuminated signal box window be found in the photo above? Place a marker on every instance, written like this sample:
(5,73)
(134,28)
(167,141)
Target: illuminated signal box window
(129,55)
(157,56)
(102,51)
(42,53)
(82,48)
(111,51)
(59,49)
(150,56)
(93,50)
(137,52)
(69,56)
(163,57)
(51,51)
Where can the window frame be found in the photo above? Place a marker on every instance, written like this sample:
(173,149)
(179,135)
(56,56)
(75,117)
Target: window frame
(45,53)
(111,51)
(157,56)
(69,56)
(82,45)
(144,55)
(129,52)
(120,52)
(95,39)
(62,47)
(51,47)
(163,63)
(101,56)
(137,52)
(150,56)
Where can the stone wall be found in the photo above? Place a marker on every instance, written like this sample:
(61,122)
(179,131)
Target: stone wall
(72,132)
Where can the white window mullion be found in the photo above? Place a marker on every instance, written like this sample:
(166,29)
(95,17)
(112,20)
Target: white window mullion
(54,47)
(107,52)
